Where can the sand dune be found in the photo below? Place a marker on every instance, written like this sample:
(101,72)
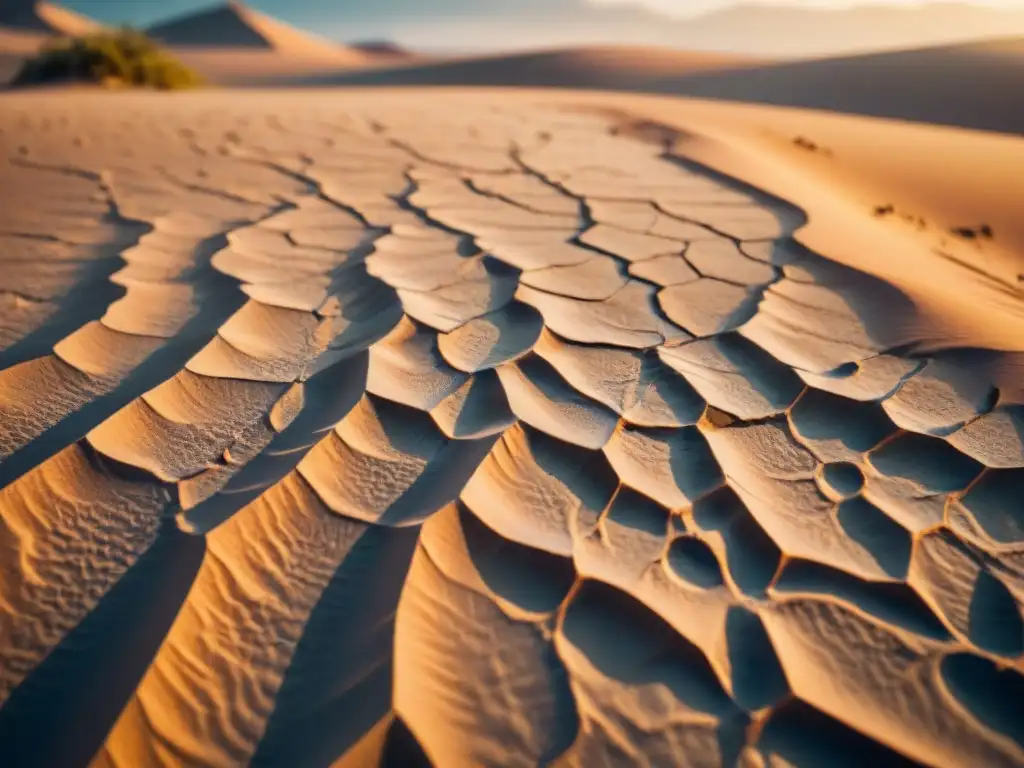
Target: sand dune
(26,24)
(235,25)
(349,428)
(383,49)
(235,45)
(931,85)
(35,16)
(15,47)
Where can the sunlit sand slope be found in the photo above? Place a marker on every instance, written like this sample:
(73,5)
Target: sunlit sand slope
(351,429)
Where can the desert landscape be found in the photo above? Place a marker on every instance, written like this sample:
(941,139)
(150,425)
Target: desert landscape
(588,406)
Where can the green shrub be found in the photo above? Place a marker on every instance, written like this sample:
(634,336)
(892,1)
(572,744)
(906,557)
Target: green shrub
(116,58)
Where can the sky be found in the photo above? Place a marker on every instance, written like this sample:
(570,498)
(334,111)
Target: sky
(143,12)
(683,8)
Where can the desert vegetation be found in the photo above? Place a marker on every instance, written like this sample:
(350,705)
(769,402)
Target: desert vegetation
(117,58)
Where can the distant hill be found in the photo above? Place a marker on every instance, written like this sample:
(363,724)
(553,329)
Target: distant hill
(970,85)
(637,68)
(43,18)
(234,25)
(381,49)
(799,31)
(966,85)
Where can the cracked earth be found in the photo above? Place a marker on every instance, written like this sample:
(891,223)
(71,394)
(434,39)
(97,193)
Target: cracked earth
(425,430)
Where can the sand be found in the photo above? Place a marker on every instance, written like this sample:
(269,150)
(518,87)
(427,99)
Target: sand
(506,427)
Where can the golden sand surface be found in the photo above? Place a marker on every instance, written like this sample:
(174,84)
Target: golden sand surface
(500,428)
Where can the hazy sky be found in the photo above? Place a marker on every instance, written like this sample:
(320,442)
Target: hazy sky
(145,11)
(690,7)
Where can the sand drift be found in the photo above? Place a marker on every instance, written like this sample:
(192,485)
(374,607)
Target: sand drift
(354,429)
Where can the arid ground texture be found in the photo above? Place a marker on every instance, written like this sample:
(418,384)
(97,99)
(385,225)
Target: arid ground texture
(494,426)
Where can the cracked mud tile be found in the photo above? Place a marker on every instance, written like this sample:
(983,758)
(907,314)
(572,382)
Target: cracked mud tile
(488,341)
(735,376)
(535,489)
(636,385)
(539,396)
(627,319)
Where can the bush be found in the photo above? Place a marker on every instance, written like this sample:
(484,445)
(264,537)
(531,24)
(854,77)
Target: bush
(117,58)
